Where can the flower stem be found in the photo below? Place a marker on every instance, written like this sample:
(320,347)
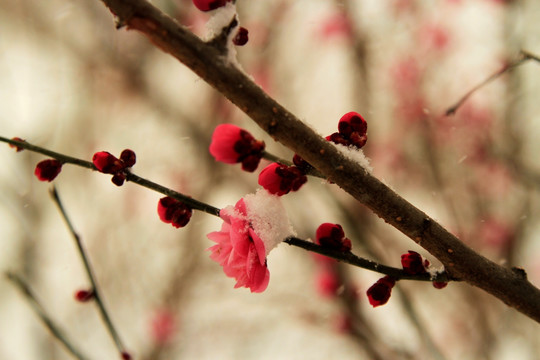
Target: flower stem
(89,271)
(47,321)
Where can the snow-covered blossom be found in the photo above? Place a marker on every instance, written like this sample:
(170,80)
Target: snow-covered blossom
(250,230)
(232,144)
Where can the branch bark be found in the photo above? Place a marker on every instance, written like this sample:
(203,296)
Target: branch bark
(461,262)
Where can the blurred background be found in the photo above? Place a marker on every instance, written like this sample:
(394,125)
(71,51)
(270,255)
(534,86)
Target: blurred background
(72,83)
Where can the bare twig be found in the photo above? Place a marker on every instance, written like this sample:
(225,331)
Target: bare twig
(25,289)
(91,276)
(523,57)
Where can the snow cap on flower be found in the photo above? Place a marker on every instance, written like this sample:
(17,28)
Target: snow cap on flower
(232,144)
(47,170)
(379,293)
(332,236)
(268,217)
(281,179)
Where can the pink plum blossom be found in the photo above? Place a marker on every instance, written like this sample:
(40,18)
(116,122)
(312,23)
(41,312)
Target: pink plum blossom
(240,250)
(251,229)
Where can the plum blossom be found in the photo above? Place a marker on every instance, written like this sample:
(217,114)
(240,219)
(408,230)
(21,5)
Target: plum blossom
(250,230)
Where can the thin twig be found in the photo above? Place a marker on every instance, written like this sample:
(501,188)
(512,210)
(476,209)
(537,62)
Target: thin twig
(523,57)
(348,258)
(352,259)
(24,288)
(65,159)
(90,272)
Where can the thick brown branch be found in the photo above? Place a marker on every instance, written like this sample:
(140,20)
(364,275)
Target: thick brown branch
(460,261)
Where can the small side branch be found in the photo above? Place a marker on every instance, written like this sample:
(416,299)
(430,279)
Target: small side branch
(523,57)
(90,272)
(352,259)
(25,289)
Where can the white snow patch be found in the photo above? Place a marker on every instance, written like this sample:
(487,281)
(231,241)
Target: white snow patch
(219,18)
(434,271)
(355,154)
(268,218)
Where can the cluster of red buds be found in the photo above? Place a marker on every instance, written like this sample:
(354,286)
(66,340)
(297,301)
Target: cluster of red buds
(107,163)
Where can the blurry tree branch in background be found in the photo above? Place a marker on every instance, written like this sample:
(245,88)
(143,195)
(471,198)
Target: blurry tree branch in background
(207,61)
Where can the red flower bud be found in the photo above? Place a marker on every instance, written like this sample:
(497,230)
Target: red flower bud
(379,293)
(439,284)
(174,212)
(333,236)
(17,148)
(207,5)
(84,295)
(125,355)
(128,157)
(241,38)
(412,263)
(281,179)
(47,170)
(231,144)
(352,131)
(118,179)
(107,163)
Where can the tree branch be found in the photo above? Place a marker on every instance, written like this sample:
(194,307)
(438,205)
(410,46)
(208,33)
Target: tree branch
(459,260)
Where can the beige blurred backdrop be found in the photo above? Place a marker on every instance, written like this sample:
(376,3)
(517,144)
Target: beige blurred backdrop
(72,83)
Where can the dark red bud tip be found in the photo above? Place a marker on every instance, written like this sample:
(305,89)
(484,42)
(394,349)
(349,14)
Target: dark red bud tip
(84,295)
(332,236)
(47,170)
(439,284)
(412,263)
(128,157)
(379,293)
(207,5)
(302,164)
(125,355)
(174,212)
(107,163)
(241,37)
(118,179)
(17,148)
